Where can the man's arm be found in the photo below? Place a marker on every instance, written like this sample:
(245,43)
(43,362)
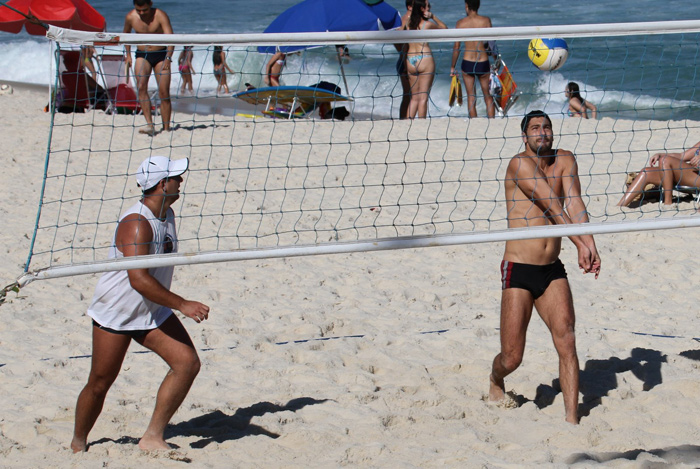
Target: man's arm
(134,237)
(571,186)
(455,57)
(167,29)
(533,183)
(127,48)
(588,257)
(164,21)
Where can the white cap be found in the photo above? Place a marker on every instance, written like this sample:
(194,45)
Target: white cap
(157,168)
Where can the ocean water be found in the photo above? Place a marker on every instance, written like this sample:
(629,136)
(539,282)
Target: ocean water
(637,77)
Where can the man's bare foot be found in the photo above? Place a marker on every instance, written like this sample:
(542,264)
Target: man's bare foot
(78,446)
(150,444)
(149,130)
(572,419)
(497,389)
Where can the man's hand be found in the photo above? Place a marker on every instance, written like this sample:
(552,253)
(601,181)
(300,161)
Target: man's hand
(195,310)
(588,258)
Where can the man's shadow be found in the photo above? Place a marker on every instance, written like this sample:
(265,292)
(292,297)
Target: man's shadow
(219,427)
(599,377)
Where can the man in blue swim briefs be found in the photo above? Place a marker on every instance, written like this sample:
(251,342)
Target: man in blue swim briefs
(542,188)
(475,61)
(144,19)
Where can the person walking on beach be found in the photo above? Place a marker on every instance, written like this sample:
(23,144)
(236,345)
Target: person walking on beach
(144,19)
(420,63)
(137,304)
(184,65)
(475,61)
(542,188)
(273,69)
(218,57)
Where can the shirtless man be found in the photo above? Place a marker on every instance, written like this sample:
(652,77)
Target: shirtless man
(542,188)
(475,61)
(144,19)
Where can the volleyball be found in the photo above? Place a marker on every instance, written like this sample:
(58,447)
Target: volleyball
(548,54)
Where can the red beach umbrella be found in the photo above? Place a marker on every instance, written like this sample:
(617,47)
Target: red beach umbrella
(72,14)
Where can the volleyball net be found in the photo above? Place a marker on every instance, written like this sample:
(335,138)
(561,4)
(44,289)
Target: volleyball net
(277,178)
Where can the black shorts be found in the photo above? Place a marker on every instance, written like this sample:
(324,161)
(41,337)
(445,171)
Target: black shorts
(533,278)
(135,334)
(476,68)
(153,57)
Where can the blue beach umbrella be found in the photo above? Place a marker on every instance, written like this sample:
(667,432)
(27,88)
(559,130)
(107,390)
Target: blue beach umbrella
(313,16)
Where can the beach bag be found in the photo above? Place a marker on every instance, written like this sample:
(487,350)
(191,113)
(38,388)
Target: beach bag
(491,48)
(455,91)
(495,86)
(328,86)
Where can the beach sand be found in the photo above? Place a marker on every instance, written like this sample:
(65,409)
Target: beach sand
(371,360)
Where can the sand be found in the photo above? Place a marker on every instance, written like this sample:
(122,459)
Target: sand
(367,359)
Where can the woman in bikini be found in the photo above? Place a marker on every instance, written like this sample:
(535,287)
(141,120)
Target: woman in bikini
(666,170)
(220,67)
(578,107)
(184,64)
(419,59)
(273,70)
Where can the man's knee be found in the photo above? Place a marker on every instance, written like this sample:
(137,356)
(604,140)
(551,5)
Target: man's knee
(188,366)
(564,339)
(98,385)
(511,360)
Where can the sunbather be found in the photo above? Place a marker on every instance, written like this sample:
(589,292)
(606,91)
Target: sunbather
(666,170)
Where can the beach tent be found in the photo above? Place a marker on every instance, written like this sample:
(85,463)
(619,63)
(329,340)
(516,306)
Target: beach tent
(72,14)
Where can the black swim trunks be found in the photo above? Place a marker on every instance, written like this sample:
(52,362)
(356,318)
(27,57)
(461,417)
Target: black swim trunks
(533,278)
(475,68)
(153,57)
(135,334)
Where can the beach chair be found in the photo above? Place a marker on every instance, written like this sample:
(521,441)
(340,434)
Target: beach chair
(73,94)
(502,87)
(295,101)
(78,91)
(123,98)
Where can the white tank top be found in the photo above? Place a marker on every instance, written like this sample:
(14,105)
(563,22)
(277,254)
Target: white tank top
(116,304)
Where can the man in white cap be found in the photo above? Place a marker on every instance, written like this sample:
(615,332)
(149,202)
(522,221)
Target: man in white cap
(138,304)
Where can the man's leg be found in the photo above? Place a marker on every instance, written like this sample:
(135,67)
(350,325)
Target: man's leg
(163,79)
(556,307)
(516,310)
(470,87)
(405,96)
(108,351)
(171,342)
(143,69)
(488,99)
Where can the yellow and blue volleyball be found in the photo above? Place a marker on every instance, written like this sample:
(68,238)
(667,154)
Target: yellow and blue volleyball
(548,54)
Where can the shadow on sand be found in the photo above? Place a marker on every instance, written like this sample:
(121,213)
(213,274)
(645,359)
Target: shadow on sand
(599,377)
(219,427)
